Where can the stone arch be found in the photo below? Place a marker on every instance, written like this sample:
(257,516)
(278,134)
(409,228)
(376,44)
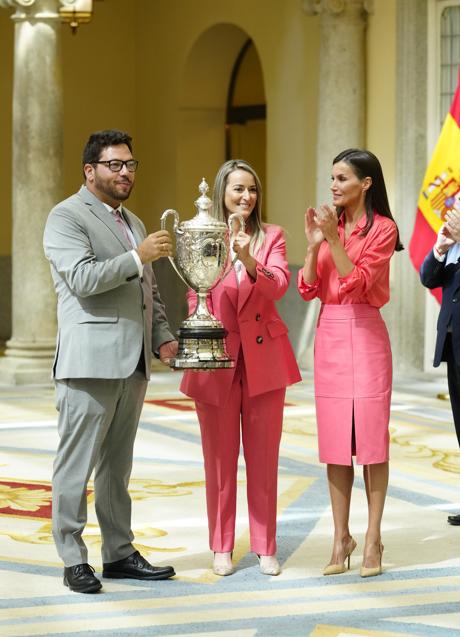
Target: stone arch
(203,105)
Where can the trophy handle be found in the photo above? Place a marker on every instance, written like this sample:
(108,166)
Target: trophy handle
(166,214)
(177,230)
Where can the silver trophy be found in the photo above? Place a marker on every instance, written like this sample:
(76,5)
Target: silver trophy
(201,261)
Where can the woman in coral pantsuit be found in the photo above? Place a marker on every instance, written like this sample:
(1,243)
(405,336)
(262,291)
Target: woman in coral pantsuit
(349,246)
(250,397)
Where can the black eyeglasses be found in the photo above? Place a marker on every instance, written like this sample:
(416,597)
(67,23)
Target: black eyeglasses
(115,165)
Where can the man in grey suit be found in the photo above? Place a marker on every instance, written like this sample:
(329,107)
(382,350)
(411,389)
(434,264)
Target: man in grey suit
(110,319)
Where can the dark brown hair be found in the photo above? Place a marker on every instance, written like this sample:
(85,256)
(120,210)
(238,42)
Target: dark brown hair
(365,164)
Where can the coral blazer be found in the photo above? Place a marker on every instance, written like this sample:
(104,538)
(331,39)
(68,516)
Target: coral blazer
(247,310)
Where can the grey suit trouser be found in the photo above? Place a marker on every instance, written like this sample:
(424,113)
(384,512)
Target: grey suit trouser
(97,426)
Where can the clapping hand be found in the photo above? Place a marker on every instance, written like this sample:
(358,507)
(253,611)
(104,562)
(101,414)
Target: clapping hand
(327,220)
(313,232)
(452,225)
(444,241)
(241,245)
(449,233)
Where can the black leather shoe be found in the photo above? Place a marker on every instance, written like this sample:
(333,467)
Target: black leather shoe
(136,567)
(80,578)
(454,519)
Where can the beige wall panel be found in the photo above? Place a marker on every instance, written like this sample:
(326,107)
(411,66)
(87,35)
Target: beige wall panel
(381,108)
(201,144)
(381,89)
(100,65)
(289,53)
(249,142)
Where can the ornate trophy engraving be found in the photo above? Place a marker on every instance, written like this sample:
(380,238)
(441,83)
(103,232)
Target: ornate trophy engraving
(201,261)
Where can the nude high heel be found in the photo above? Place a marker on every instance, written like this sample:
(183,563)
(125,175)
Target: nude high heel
(222,564)
(269,565)
(371,571)
(338,569)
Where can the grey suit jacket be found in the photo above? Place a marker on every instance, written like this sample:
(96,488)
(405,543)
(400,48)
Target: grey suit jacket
(106,312)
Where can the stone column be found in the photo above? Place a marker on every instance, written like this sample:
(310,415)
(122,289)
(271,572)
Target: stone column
(37,179)
(341,103)
(407,307)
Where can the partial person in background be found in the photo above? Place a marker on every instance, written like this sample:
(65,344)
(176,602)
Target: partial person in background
(110,320)
(441,268)
(349,247)
(246,401)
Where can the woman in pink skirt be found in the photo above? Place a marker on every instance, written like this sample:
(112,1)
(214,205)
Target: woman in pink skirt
(349,246)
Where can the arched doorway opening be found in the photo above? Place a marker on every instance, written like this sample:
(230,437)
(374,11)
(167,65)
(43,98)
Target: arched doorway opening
(245,128)
(222,108)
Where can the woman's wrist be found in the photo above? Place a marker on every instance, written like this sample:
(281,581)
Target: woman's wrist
(248,261)
(307,277)
(250,265)
(312,249)
(334,240)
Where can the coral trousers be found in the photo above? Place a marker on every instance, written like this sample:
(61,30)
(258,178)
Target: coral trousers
(260,419)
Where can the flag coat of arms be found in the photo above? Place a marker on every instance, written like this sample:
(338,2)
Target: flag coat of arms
(440,190)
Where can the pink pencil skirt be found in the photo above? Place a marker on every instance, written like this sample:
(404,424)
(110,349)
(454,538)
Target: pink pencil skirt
(353,376)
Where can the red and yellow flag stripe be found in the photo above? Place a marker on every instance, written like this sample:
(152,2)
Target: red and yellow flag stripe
(440,190)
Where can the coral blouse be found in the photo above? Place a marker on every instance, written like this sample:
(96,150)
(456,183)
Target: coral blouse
(368,282)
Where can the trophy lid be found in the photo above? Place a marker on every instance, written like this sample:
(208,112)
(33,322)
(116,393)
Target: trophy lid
(203,220)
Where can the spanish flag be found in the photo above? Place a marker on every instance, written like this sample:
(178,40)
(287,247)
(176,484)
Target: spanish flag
(440,189)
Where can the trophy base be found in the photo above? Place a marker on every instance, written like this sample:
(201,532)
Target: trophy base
(202,348)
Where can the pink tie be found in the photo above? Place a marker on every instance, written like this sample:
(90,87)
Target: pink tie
(120,222)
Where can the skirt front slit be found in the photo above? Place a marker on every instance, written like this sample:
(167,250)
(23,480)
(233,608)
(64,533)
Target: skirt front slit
(353,379)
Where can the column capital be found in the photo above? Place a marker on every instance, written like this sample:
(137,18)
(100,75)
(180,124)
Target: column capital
(73,12)
(11,4)
(38,9)
(8,4)
(336,7)
(18,4)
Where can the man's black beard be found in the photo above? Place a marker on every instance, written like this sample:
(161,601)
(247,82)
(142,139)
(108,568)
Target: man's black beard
(112,192)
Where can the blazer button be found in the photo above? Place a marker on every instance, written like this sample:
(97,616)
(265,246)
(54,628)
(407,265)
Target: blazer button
(454,300)
(142,279)
(144,306)
(259,339)
(258,317)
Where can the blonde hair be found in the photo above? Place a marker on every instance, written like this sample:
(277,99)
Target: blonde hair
(218,199)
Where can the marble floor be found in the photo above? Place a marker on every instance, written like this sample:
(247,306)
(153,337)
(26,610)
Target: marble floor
(418,593)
